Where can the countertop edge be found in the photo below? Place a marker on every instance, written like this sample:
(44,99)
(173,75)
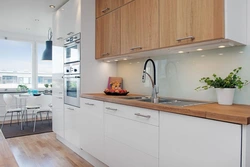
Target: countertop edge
(238,114)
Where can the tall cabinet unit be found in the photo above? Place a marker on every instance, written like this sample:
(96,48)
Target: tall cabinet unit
(139,26)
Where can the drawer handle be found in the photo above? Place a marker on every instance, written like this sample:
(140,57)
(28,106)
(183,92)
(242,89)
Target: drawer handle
(105,54)
(105,10)
(90,104)
(189,37)
(71,109)
(140,115)
(134,48)
(70,33)
(112,109)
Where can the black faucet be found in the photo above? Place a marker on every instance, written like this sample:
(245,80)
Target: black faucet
(154,98)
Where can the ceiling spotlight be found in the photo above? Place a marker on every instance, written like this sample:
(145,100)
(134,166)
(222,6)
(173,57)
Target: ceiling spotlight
(199,49)
(180,52)
(62,9)
(222,46)
(52,6)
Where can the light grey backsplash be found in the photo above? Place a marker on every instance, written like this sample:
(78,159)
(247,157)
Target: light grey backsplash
(178,75)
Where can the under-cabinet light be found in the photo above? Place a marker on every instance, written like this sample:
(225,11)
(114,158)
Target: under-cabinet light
(221,46)
(199,49)
(180,52)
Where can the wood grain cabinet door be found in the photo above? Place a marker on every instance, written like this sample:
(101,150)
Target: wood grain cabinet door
(187,21)
(139,26)
(108,37)
(105,6)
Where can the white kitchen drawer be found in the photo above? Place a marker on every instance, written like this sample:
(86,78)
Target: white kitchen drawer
(121,155)
(141,136)
(152,116)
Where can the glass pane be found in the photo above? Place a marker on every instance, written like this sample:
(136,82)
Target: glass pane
(15,63)
(44,68)
(72,88)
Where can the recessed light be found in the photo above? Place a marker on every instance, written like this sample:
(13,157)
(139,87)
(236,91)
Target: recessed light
(199,49)
(180,52)
(222,46)
(52,6)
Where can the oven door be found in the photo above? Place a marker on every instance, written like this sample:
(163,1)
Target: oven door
(72,52)
(72,90)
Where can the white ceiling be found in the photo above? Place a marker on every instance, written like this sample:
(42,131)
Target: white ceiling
(18,16)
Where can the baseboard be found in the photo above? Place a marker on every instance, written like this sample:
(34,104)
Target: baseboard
(92,160)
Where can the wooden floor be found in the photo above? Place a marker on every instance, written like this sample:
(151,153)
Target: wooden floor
(44,150)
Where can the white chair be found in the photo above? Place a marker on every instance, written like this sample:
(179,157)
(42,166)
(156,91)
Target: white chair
(10,109)
(44,102)
(31,105)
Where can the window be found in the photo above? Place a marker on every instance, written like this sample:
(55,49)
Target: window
(44,67)
(15,64)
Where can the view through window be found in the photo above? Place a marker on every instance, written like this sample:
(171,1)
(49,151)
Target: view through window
(15,64)
(44,68)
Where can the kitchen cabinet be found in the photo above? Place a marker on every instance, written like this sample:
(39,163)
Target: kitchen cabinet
(58,115)
(66,21)
(139,26)
(131,136)
(187,21)
(105,6)
(194,142)
(72,125)
(92,130)
(108,35)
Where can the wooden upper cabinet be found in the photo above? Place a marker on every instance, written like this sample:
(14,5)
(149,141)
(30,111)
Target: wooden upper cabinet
(106,6)
(108,37)
(139,26)
(186,21)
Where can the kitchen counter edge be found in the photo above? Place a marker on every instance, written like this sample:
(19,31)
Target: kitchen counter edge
(236,113)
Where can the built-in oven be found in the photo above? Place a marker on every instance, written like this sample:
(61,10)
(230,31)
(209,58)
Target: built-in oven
(72,83)
(72,49)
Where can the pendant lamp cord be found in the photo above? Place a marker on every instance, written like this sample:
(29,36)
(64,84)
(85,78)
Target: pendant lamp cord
(50,34)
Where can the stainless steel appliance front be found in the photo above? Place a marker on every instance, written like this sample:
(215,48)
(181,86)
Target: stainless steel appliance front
(72,49)
(72,82)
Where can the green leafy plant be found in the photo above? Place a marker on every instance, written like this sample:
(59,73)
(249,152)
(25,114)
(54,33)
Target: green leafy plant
(22,88)
(231,81)
(46,85)
(51,85)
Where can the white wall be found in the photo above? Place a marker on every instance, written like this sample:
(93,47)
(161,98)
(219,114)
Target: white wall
(178,75)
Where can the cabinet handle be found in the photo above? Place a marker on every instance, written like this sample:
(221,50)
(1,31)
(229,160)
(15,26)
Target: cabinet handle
(90,104)
(105,10)
(71,109)
(113,109)
(140,115)
(59,97)
(60,38)
(134,48)
(105,54)
(70,33)
(189,37)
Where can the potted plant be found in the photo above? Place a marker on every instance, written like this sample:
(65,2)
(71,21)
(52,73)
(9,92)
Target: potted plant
(225,88)
(22,88)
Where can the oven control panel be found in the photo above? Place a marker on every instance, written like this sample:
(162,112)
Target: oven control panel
(73,68)
(73,38)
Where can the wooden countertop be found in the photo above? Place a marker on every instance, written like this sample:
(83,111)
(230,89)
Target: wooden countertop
(6,156)
(239,114)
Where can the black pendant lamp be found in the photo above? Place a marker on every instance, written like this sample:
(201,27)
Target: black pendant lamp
(47,54)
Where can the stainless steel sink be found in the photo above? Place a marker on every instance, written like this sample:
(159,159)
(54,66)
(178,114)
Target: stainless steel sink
(167,101)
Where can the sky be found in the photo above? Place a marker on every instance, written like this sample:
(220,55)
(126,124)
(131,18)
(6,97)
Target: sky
(17,56)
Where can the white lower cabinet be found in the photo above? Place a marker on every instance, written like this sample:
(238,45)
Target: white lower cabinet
(58,115)
(195,142)
(92,128)
(131,136)
(72,125)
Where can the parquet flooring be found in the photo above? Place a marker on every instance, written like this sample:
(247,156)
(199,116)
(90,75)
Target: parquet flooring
(44,150)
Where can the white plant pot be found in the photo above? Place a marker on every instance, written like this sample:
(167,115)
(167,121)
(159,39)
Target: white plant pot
(225,96)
